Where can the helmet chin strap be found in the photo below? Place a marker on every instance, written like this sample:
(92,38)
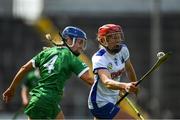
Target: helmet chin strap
(116,50)
(69,46)
(105,45)
(76,54)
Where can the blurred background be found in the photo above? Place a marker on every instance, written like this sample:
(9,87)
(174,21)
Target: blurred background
(149,26)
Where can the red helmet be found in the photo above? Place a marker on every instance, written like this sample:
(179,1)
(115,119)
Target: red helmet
(109,28)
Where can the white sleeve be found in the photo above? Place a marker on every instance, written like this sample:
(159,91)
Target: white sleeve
(98,63)
(33,63)
(125,52)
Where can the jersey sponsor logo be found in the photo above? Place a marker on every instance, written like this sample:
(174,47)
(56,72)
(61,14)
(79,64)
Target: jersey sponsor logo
(110,66)
(118,73)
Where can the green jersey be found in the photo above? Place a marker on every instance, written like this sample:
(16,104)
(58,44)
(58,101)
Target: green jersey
(56,65)
(31,79)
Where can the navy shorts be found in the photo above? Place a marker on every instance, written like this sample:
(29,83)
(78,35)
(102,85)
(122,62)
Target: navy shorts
(107,111)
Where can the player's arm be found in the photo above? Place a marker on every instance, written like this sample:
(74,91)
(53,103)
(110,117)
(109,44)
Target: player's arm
(24,95)
(130,71)
(105,77)
(8,94)
(87,78)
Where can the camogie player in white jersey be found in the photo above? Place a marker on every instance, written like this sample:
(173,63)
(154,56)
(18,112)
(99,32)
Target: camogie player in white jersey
(109,63)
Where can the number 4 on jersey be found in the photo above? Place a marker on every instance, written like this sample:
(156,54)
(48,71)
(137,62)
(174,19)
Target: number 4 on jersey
(50,64)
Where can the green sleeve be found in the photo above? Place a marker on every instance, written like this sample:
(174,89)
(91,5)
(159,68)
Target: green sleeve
(78,67)
(36,59)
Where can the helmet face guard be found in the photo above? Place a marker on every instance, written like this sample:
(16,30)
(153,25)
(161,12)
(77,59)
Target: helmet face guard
(114,37)
(84,42)
(74,33)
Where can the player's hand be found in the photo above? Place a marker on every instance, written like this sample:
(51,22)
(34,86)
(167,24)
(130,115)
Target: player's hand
(8,94)
(131,88)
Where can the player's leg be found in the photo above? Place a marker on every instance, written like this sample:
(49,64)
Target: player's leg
(60,116)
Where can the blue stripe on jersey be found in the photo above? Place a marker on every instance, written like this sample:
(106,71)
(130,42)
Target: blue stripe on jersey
(100,52)
(122,60)
(93,94)
(122,45)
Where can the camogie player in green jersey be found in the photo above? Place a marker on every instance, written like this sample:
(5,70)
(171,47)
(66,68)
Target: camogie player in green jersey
(56,65)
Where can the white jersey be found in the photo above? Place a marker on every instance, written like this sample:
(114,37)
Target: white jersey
(115,64)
